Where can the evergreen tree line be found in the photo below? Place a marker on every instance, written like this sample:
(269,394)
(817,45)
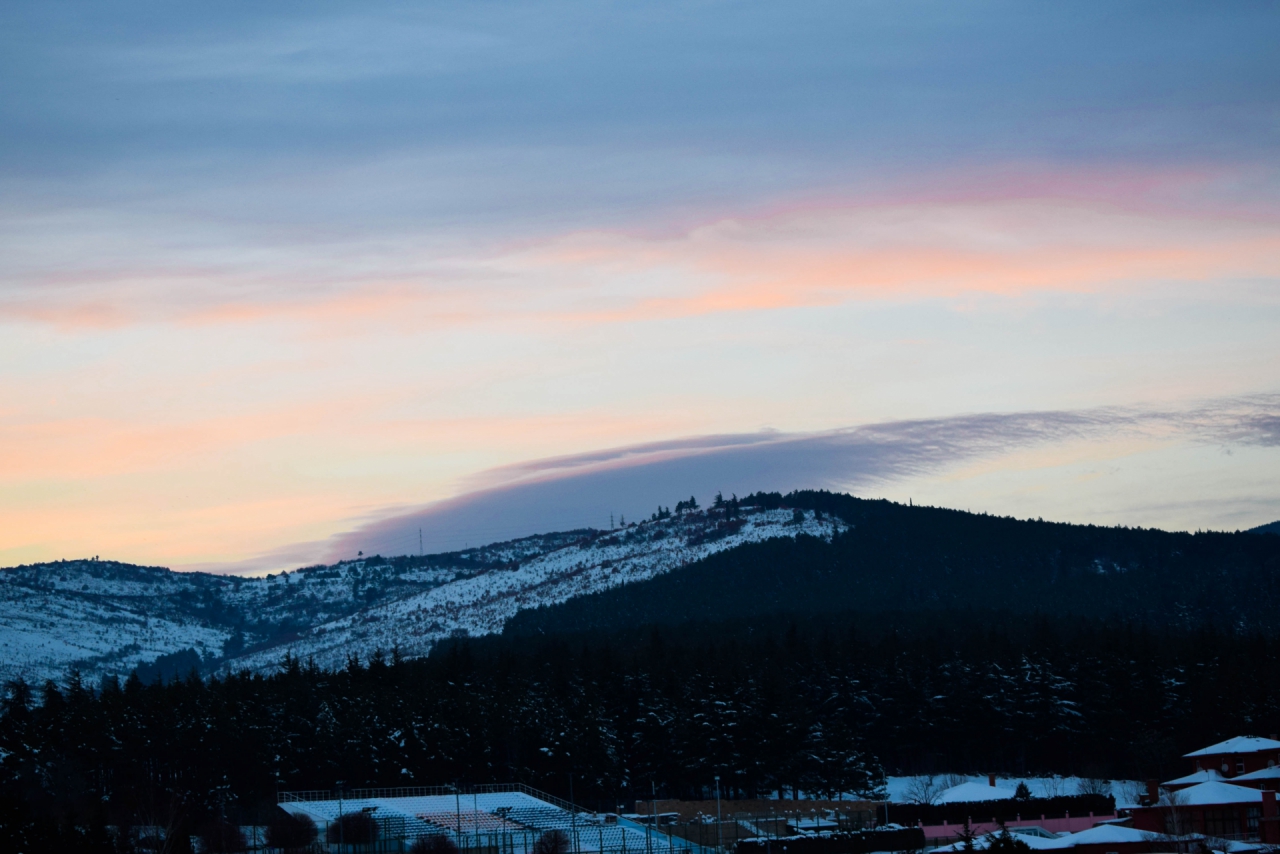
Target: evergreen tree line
(816,705)
(910,644)
(902,558)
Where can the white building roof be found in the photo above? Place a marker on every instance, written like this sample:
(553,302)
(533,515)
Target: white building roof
(1101,834)
(1239,744)
(1210,794)
(1206,776)
(971,792)
(1261,774)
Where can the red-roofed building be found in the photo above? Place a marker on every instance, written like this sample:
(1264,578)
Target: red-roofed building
(1240,755)
(1214,808)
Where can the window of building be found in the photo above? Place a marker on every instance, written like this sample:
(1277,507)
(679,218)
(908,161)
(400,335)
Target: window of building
(1239,767)
(1251,819)
(1221,822)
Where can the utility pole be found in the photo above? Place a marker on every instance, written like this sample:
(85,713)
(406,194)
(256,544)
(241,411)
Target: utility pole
(719,832)
(419,542)
(653,809)
(573,815)
(341,841)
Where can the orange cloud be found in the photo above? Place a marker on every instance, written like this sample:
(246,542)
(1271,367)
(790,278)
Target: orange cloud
(828,257)
(1048,232)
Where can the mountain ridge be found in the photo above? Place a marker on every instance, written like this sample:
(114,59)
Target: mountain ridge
(896,557)
(809,552)
(102,617)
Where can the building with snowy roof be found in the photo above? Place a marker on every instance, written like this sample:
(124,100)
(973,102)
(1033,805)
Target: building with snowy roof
(1103,839)
(1235,756)
(976,793)
(1264,778)
(483,820)
(1208,775)
(1215,809)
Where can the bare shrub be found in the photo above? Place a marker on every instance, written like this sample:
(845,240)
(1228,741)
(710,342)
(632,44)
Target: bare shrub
(923,789)
(353,828)
(1177,820)
(1093,786)
(1131,792)
(552,842)
(436,843)
(223,836)
(291,832)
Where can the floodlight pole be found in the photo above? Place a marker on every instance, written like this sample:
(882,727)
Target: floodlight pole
(573,815)
(341,841)
(719,832)
(653,805)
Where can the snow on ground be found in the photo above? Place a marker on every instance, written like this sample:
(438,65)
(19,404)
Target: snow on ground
(44,631)
(106,617)
(1125,791)
(483,603)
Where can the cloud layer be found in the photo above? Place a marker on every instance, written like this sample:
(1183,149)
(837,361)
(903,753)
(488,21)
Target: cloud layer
(267,271)
(584,490)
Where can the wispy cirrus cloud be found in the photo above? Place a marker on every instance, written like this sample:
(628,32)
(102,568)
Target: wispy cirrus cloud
(583,490)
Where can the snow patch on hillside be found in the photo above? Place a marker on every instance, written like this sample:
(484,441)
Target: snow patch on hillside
(105,617)
(482,604)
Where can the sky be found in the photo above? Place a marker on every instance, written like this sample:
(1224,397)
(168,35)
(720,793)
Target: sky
(284,282)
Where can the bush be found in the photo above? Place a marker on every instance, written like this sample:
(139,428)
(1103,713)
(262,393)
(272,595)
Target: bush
(291,832)
(552,842)
(353,828)
(223,836)
(436,843)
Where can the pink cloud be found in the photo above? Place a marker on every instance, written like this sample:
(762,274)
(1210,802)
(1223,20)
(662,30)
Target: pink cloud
(998,232)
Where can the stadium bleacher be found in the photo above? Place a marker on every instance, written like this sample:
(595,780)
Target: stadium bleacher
(491,821)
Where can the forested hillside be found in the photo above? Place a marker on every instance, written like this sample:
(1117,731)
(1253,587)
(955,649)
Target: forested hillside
(919,640)
(903,558)
(103,617)
(818,704)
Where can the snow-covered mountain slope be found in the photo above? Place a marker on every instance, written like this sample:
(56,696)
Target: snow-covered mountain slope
(482,603)
(106,617)
(102,615)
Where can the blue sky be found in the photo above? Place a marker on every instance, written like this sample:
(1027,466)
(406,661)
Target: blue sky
(273,275)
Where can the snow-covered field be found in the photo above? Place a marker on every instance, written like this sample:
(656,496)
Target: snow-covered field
(107,617)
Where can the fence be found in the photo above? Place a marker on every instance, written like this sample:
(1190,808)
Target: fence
(1001,811)
(587,833)
(759,825)
(587,838)
(423,792)
(501,830)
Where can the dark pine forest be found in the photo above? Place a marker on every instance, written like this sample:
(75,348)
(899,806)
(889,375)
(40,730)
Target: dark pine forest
(920,641)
